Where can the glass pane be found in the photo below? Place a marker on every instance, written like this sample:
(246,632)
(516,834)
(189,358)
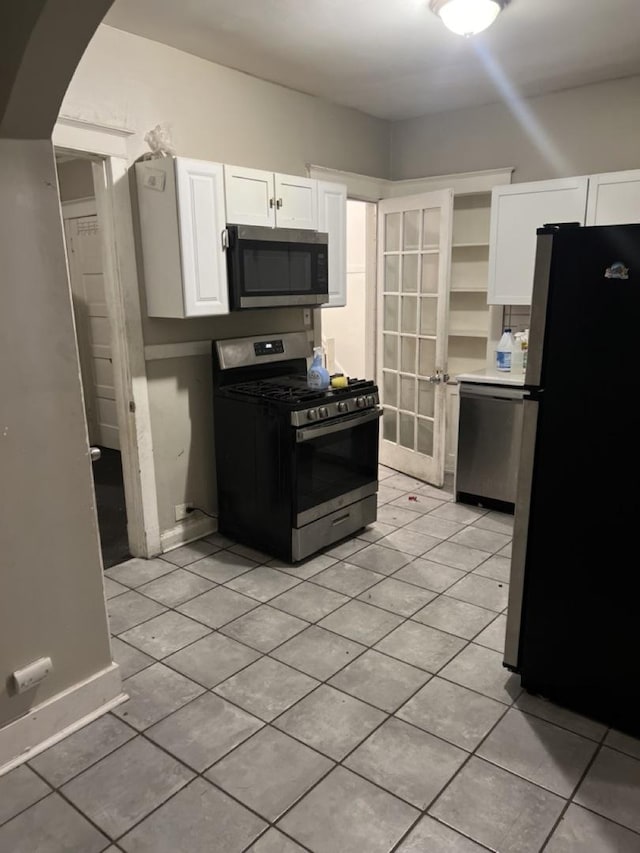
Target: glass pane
(390,358)
(408,393)
(428,315)
(431,228)
(410,314)
(389,426)
(411,229)
(410,273)
(390,320)
(407,430)
(393,222)
(390,388)
(392,273)
(425,436)
(426,397)
(430,273)
(427,364)
(408,355)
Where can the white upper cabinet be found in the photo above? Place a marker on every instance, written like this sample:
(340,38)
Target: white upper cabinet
(517,211)
(332,218)
(255,197)
(614,198)
(296,202)
(250,196)
(182,220)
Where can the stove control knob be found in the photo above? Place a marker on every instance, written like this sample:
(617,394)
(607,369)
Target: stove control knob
(361,402)
(323,412)
(371,400)
(343,407)
(312,415)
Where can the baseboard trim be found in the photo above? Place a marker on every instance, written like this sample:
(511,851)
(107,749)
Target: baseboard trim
(59,716)
(195,526)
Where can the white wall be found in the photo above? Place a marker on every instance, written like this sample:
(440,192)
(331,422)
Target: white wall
(51,595)
(218,114)
(579,131)
(346,326)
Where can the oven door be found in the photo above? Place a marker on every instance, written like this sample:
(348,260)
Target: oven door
(271,267)
(336,464)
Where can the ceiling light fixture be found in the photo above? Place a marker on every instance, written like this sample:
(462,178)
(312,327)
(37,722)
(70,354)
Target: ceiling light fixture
(467,17)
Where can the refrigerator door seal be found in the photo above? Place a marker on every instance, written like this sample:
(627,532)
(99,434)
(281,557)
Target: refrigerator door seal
(541,277)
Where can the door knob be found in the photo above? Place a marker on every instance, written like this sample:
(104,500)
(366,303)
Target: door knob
(95,453)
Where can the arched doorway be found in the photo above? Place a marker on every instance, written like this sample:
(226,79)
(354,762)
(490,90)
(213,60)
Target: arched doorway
(52,601)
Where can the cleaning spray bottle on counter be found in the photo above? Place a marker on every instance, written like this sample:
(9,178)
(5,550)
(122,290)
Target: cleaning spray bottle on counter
(318,375)
(505,351)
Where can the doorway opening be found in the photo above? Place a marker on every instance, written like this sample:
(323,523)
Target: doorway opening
(348,334)
(94,332)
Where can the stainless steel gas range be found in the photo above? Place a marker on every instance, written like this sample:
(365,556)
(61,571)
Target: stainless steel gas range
(297,469)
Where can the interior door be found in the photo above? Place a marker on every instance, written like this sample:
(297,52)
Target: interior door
(93,328)
(414,254)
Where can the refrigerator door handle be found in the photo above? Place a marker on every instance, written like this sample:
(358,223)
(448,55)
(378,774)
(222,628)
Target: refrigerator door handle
(520,534)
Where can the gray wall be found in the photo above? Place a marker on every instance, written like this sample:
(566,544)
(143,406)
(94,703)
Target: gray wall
(75,179)
(578,131)
(51,600)
(218,114)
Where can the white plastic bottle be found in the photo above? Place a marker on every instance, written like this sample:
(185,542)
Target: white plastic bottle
(505,351)
(517,357)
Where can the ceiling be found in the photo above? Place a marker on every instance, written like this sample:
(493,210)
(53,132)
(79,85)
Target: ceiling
(393,58)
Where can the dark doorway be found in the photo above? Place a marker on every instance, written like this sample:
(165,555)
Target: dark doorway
(112,513)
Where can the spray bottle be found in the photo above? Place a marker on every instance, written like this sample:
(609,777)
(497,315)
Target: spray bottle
(318,375)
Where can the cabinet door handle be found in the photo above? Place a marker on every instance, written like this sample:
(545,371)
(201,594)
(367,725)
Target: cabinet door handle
(271,202)
(279,203)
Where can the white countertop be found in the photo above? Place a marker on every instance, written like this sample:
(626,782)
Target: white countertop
(492,376)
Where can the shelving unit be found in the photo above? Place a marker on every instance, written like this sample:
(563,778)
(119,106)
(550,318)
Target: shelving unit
(468,309)
(469,314)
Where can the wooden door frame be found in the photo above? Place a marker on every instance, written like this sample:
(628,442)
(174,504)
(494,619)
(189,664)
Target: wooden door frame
(74,210)
(107,149)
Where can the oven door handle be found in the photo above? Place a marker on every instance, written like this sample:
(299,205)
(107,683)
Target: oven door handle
(309,433)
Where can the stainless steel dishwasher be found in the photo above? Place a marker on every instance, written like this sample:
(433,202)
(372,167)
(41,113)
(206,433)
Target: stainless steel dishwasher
(489,437)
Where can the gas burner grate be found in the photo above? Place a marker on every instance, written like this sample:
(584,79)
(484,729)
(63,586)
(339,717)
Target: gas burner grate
(293,389)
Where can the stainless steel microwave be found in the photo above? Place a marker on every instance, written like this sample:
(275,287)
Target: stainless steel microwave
(275,267)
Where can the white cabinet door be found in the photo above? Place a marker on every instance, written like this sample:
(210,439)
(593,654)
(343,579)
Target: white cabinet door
(201,218)
(453,419)
(296,202)
(249,196)
(516,212)
(332,218)
(614,199)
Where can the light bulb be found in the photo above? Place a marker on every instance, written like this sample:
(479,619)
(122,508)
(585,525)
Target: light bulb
(468,17)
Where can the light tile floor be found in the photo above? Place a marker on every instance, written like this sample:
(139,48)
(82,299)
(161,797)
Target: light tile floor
(356,703)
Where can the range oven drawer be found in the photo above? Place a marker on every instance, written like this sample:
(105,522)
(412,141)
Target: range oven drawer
(330,528)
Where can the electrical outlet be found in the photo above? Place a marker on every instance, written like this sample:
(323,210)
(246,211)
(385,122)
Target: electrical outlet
(181,511)
(306,316)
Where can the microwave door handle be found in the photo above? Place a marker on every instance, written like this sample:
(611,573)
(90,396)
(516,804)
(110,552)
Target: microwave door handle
(309,433)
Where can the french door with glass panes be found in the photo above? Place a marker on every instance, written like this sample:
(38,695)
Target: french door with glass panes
(414,252)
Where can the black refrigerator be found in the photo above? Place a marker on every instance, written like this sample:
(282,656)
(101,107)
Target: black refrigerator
(573,624)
